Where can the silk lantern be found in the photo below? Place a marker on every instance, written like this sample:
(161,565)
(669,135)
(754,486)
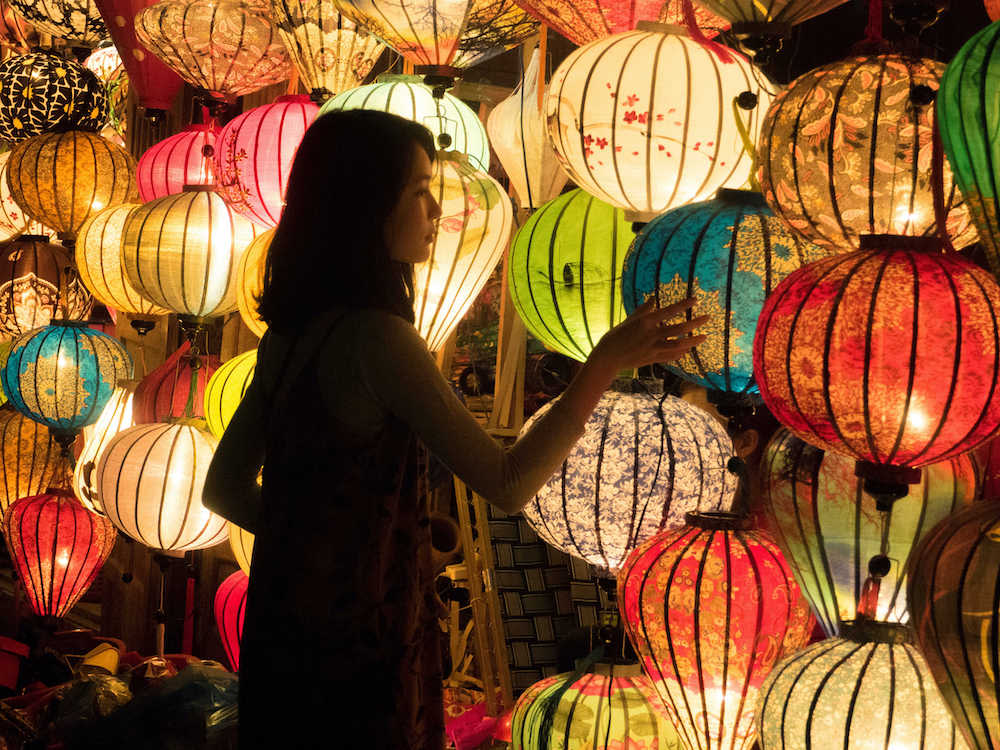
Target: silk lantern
(241,543)
(645,120)
(175,389)
(230,609)
(728,253)
(181,159)
(225,390)
(992,9)
(116,416)
(104,62)
(150,478)
(13,219)
(250,281)
(846,150)
(30,460)
(868,688)
(76,21)
(643,462)
(493,26)
(787,12)
(829,528)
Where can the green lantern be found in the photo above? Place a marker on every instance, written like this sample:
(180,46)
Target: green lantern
(565,270)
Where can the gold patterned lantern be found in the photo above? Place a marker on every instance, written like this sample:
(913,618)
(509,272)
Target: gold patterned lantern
(250,281)
(115,417)
(73,20)
(30,459)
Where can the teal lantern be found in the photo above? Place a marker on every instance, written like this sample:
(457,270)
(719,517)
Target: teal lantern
(729,253)
(565,270)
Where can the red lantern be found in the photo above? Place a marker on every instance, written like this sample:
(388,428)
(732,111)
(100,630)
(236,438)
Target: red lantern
(179,160)
(230,606)
(176,388)
(57,547)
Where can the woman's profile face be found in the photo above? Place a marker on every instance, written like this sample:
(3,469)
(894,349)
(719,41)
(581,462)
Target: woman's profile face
(412,226)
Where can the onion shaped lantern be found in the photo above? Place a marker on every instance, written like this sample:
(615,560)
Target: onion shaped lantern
(846,150)
(607,706)
(227,48)
(870,687)
(13,219)
(254,155)
(226,388)
(57,547)
(30,459)
(644,461)
(73,20)
(175,389)
(178,160)
(241,543)
(250,281)
(830,529)
(230,609)
(729,253)
(644,120)
(150,478)
(475,224)
(115,417)
(453,123)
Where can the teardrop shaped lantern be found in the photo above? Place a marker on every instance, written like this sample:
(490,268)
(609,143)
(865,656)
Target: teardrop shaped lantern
(150,478)
(711,607)
(830,529)
(13,219)
(225,390)
(250,281)
(241,543)
(30,460)
(847,150)
(73,20)
(729,253)
(181,159)
(645,120)
(115,417)
(175,389)
(643,462)
(57,547)
(230,609)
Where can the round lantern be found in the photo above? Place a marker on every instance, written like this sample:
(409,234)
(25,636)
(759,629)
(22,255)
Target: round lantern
(30,460)
(104,62)
(250,281)
(451,121)
(178,160)
(475,223)
(241,543)
(868,688)
(829,528)
(230,608)
(175,389)
(954,577)
(115,417)
(150,478)
(643,462)
(181,251)
(254,156)
(847,150)
(73,20)
(729,253)
(225,47)
(13,219)
(57,547)
(711,607)
(885,354)
(62,375)
(38,282)
(607,706)
(62,179)
(225,390)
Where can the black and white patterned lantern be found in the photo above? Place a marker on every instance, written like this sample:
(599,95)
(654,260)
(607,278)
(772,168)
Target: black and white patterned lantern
(76,21)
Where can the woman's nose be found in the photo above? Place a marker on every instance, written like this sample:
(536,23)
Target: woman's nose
(435,211)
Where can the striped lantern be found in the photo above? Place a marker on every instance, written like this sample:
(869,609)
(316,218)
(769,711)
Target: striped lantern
(788,12)
(644,120)
(30,460)
(250,281)
(829,528)
(150,478)
(241,543)
(868,688)
(230,609)
(116,416)
(76,21)
(644,461)
(175,389)
(178,160)
(13,219)
(225,390)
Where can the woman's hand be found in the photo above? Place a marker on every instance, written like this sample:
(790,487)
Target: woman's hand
(647,336)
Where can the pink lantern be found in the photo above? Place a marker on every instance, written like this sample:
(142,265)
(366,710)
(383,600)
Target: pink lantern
(176,387)
(230,607)
(182,159)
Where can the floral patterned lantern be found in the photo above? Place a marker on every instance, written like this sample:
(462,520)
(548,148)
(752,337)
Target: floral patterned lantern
(226,388)
(241,543)
(254,156)
(644,461)
(847,150)
(175,389)
(564,272)
(644,120)
(13,219)
(105,63)
(76,21)
(830,529)
(115,417)
(250,281)
(178,160)
(729,253)
(30,460)
(708,642)
(57,547)
(870,687)
(230,608)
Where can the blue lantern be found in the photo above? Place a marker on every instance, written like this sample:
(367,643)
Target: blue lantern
(729,253)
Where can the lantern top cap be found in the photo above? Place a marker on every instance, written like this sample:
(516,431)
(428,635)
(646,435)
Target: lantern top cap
(611,669)
(743,197)
(872,631)
(901,242)
(31,238)
(60,492)
(717,521)
(661,28)
(68,323)
(292,98)
(400,78)
(200,188)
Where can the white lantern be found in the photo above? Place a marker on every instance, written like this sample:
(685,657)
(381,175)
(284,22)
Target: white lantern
(115,417)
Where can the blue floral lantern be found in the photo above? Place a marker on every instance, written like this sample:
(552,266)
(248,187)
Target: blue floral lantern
(729,253)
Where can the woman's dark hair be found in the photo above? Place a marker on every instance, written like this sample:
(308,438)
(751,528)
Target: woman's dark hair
(328,249)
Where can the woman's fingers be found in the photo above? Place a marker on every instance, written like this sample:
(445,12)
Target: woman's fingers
(672,310)
(677,349)
(679,329)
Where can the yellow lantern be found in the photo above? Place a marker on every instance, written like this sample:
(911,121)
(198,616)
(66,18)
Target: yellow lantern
(225,390)
(31,459)
(115,417)
(250,281)
(241,542)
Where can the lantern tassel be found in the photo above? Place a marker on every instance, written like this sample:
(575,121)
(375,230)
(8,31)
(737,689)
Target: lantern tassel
(937,187)
(748,145)
(724,54)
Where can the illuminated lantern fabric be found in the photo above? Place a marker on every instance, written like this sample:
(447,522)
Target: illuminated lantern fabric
(331,53)
(37,283)
(230,608)
(708,641)
(73,20)
(608,706)
(788,12)
(565,269)
(644,120)
(150,478)
(846,150)
(992,9)
(63,375)
(829,528)
(954,578)
(241,543)
(886,354)
(517,134)
(729,253)
(493,26)
(57,547)
(226,388)
(254,154)
(632,474)
(175,389)
(178,160)
(30,459)
(869,688)
(408,97)
(250,281)
(115,417)
(62,179)
(225,47)
(104,62)
(181,252)
(13,219)
(475,224)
